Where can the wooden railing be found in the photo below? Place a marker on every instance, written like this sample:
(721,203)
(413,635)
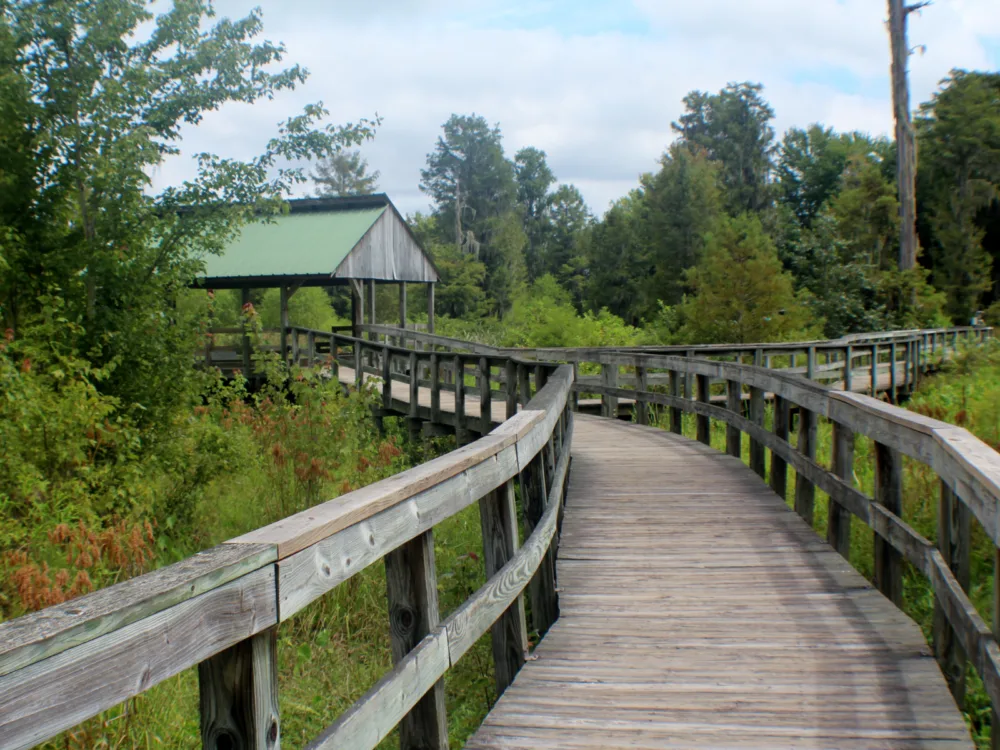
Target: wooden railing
(220,609)
(969,472)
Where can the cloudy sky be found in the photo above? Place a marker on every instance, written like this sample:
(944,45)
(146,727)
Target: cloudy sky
(594,83)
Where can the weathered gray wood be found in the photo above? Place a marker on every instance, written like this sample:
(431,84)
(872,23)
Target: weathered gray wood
(954,544)
(779,467)
(757,453)
(811,363)
(893,386)
(805,492)
(609,404)
(642,406)
(888,573)
(430,307)
(245,340)
(734,402)
(59,692)
(43,634)
(414,386)
(838,529)
(849,368)
(510,387)
(874,373)
(498,517)
(411,583)
(676,415)
(402,304)
(435,378)
(542,589)
(386,378)
(485,397)
(704,425)
(359,373)
(461,427)
(238,694)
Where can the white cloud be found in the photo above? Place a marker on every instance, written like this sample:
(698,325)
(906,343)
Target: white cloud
(601,104)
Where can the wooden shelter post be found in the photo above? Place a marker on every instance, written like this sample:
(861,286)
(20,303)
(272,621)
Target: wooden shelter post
(371,306)
(245,300)
(357,307)
(430,307)
(402,304)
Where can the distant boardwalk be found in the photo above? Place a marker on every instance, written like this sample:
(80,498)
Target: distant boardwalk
(698,610)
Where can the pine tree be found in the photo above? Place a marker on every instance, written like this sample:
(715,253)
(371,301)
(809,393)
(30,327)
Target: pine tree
(344,173)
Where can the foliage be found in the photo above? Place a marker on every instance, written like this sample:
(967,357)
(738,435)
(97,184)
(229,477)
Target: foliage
(309,307)
(344,173)
(740,292)
(534,178)
(959,139)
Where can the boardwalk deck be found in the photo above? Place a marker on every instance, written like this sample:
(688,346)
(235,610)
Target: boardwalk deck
(697,610)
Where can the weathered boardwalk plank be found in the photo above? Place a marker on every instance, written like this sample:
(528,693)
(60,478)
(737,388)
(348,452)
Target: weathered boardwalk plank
(697,610)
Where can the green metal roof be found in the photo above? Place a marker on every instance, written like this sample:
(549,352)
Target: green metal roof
(298,244)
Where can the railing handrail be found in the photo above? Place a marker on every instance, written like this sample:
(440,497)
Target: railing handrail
(64,664)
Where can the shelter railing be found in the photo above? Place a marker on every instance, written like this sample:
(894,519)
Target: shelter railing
(220,609)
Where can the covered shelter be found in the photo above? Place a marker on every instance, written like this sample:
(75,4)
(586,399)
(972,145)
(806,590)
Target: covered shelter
(358,241)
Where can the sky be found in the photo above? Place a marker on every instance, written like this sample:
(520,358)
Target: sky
(593,83)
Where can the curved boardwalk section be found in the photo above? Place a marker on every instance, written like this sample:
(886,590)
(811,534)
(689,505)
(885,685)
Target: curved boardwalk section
(697,610)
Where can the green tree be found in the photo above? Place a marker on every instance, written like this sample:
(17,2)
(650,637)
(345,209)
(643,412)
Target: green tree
(959,150)
(459,293)
(534,178)
(100,91)
(682,205)
(734,128)
(344,173)
(569,218)
(617,260)
(474,191)
(740,293)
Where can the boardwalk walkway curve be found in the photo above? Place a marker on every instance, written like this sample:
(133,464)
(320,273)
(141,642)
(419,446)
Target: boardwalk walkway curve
(693,608)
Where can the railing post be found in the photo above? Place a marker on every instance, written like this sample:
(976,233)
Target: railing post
(498,517)
(641,405)
(411,586)
(461,434)
(485,397)
(676,414)
(954,544)
(576,379)
(779,467)
(359,374)
(609,403)
(435,378)
(848,367)
(838,529)
(524,383)
(238,695)
(414,419)
(311,348)
(688,380)
(734,402)
(386,378)
(510,387)
(805,491)
(874,370)
(757,457)
(542,588)
(704,425)
(893,395)
(889,492)
(811,363)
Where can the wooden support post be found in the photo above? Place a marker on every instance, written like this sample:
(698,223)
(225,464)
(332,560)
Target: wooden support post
(609,404)
(247,362)
(676,414)
(524,383)
(386,378)
(848,365)
(411,584)
(510,387)
(359,374)
(779,467)
(758,357)
(874,370)
(414,396)
(703,421)
(238,690)
(461,433)
(435,378)
(641,405)
(757,457)
(485,397)
(542,588)
(402,308)
(889,492)
(430,307)
(371,308)
(334,354)
(689,379)
(953,541)
(283,318)
(498,517)
(357,308)
(805,491)
(310,348)
(838,528)
(576,379)
(811,363)
(734,402)
(893,392)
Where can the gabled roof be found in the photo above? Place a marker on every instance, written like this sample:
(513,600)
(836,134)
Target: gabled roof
(321,242)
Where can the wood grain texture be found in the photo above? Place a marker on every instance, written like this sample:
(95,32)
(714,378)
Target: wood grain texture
(677,631)
(888,572)
(805,491)
(52,695)
(838,527)
(953,542)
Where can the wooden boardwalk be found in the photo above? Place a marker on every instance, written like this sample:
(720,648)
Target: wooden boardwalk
(698,610)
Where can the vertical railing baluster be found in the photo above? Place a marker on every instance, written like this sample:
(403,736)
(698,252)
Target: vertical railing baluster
(805,491)
(953,541)
(435,378)
(757,456)
(734,402)
(893,392)
(848,368)
(889,492)
(386,379)
(485,397)
(779,467)
(641,404)
(874,370)
(676,413)
(838,529)
(510,387)
(461,433)
(704,425)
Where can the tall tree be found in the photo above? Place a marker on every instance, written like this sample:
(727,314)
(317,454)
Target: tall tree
(568,217)
(960,176)
(344,173)
(474,190)
(905,141)
(534,178)
(734,128)
(617,261)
